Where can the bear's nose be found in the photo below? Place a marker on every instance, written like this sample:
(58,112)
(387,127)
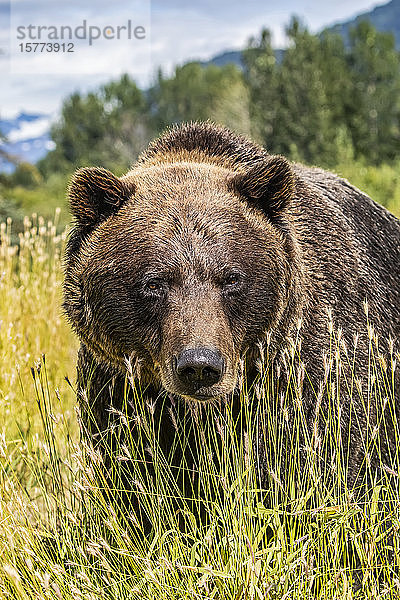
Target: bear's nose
(199,367)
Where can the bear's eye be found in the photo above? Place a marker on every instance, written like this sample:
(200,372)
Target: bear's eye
(232,280)
(155,286)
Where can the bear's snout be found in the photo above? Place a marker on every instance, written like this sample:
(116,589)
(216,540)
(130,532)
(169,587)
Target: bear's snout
(198,368)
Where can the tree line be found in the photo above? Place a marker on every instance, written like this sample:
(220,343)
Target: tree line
(324,101)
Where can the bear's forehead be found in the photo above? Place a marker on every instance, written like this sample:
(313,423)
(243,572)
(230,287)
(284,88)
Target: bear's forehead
(185,215)
(190,197)
(177,227)
(182,241)
(192,222)
(179,188)
(179,172)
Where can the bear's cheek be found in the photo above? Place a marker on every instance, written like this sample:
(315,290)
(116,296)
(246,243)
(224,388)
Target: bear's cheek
(255,309)
(117,321)
(132,334)
(260,313)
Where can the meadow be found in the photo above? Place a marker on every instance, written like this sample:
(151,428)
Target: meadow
(60,535)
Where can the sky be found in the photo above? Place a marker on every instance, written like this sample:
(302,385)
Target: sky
(153,33)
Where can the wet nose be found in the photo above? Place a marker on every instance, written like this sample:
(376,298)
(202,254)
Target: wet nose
(199,367)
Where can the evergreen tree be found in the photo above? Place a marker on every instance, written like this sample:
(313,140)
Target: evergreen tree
(337,81)
(108,128)
(196,92)
(375,117)
(304,125)
(261,75)
(326,102)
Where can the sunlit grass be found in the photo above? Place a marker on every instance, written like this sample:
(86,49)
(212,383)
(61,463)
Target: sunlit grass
(62,535)
(31,321)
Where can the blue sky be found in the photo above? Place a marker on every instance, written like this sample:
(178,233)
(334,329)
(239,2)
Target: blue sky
(176,31)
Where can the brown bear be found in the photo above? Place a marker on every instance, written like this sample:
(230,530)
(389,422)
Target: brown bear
(203,249)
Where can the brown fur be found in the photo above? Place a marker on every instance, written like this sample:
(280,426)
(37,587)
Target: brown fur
(200,204)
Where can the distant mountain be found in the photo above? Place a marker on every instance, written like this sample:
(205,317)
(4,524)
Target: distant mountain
(27,139)
(235,57)
(225,58)
(385,17)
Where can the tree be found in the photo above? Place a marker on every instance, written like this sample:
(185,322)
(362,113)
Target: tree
(109,128)
(337,81)
(304,121)
(375,117)
(261,76)
(128,119)
(196,92)
(297,106)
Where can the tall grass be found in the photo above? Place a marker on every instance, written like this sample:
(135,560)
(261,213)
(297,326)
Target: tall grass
(62,534)
(31,321)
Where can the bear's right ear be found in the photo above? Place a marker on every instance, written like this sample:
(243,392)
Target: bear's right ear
(94,194)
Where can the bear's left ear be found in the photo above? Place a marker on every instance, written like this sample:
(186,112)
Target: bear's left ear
(94,194)
(268,184)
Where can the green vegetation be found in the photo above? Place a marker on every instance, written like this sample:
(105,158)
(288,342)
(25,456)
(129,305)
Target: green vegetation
(197,93)
(106,128)
(31,319)
(40,196)
(306,536)
(324,103)
(382,183)
(323,95)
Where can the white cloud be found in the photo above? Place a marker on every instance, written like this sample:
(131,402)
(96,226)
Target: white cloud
(9,112)
(204,36)
(29,131)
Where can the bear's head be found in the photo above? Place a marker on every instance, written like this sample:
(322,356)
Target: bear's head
(182,265)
